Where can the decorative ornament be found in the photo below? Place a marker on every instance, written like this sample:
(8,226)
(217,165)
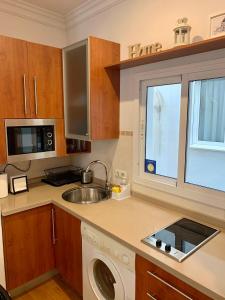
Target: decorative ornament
(136,50)
(182,32)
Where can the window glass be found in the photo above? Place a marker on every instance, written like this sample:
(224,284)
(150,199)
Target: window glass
(205,156)
(208,110)
(162,129)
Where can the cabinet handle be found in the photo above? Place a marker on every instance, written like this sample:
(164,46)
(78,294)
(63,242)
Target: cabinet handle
(25,93)
(169,285)
(35,95)
(53,227)
(150,296)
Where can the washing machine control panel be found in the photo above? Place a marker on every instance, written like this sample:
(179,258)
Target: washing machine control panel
(108,246)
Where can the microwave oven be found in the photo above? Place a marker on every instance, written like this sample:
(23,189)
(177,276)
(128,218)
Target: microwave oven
(28,139)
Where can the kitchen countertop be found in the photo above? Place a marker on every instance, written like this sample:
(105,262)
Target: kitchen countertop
(129,221)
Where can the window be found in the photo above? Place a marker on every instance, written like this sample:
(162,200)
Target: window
(207,110)
(205,150)
(162,129)
(182,133)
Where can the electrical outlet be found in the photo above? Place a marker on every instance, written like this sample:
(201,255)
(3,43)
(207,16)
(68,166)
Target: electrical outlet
(123,174)
(120,173)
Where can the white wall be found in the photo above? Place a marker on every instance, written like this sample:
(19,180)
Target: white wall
(33,31)
(147,21)
(142,21)
(37,166)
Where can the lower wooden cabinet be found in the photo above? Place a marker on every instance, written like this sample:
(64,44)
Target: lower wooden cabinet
(28,246)
(154,283)
(38,240)
(68,248)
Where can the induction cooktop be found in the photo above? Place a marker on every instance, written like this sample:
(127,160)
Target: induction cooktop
(180,239)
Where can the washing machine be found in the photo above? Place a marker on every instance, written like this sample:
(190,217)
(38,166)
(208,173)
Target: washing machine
(108,267)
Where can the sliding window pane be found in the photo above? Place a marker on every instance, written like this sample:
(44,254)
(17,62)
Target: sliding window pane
(162,129)
(205,150)
(212,110)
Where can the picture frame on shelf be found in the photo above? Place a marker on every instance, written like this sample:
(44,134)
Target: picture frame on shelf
(217,25)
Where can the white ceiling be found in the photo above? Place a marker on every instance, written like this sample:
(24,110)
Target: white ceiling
(59,6)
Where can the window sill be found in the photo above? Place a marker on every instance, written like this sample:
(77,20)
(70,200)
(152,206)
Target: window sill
(185,192)
(207,147)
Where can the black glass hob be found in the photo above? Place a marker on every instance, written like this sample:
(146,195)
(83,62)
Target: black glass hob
(181,238)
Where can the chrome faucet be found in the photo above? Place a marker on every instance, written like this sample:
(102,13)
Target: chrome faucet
(107,184)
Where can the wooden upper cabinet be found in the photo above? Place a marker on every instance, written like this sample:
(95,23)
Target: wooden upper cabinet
(13,78)
(104,89)
(92,94)
(30,80)
(45,81)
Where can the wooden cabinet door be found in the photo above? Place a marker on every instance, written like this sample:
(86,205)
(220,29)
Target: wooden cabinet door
(153,282)
(28,246)
(104,89)
(45,81)
(14,94)
(68,249)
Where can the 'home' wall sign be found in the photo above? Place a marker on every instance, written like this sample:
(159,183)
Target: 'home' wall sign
(136,50)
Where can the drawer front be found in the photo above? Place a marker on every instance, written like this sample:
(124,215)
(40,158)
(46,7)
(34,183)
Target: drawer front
(159,289)
(154,283)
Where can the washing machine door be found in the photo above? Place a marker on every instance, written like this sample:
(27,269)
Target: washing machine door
(105,279)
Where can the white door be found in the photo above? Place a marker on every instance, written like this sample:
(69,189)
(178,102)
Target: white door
(105,279)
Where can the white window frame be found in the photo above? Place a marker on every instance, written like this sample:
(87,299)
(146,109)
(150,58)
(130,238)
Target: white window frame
(206,69)
(195,143)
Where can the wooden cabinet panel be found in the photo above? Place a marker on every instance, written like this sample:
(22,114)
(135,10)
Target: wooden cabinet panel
(28,246)
(60,138)
(68,249)
(104,89)
(45,81)
(3,157)
(14,70)
(154,283)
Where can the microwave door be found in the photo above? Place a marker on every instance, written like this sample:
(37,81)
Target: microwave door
(18,138)
(30,139)
(34,140)
(26,140)
(40,141)
(29,142)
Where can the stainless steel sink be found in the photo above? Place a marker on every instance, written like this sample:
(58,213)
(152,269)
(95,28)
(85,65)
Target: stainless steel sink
(86,195)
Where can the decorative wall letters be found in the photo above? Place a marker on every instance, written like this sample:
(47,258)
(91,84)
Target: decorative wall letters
(136,50)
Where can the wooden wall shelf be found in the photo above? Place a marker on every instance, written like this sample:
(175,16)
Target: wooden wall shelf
(195,48)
